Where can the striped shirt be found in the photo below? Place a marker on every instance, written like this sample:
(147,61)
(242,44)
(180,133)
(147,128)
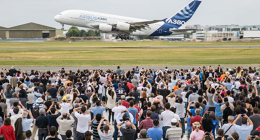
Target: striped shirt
(95,132)
(174,133)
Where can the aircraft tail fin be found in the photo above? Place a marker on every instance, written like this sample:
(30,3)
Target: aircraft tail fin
(184,14)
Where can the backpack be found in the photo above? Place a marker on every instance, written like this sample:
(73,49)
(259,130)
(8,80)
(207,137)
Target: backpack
(244,90)
(35,111)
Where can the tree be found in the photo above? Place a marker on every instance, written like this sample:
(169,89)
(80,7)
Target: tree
(73,32)
(91,33)
(82,33)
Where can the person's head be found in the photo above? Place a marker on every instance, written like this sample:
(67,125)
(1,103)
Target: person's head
(237,111)
(119,102)
(143,133)
(128,125)
(156,122)
(14,95)
(173,122)
(68,134)
(255,111)
(196,125)
(167,106)
(244,120)
(219,100)
(220,132)
(153,108)
(200,99)
(2,137)
(42,111)
(25,114)
(53,110)
(87,135)
(230,119)
(97,103)
(211,115)
(149,113)
(106,128)
(122,97)
(197,105)
(98,117)
(28,134)
(197,112)
(83,109)
(131,103)
(235,135)
(16,110)
(7,121)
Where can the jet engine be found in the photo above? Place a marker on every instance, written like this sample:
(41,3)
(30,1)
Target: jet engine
(105,27)
(123,26)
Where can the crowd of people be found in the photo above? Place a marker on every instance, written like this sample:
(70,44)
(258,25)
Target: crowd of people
(202,103)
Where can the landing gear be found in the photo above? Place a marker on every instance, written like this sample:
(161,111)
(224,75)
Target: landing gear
(62,28)
(123,37)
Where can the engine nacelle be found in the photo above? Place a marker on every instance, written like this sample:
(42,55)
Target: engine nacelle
(105,27)
(123,26)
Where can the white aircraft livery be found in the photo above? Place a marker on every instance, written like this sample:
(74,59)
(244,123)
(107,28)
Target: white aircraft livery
(126,26)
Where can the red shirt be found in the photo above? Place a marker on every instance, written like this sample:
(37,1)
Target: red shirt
(125,103)
(138,110)
(195,119)
(130,86)
(258,128)
(8,132)
(145,124)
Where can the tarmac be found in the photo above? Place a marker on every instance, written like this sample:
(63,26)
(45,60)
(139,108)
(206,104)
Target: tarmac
(162,47)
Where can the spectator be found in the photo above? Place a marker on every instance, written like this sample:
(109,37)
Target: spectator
(218,112)
(174,133)
(111,103)
(53,134)
(42,123)
(147,123)
(228,128)
(117,109)
(26,122)
(189,127)
(107,133)
(83,120)
(155,133)
(95,124)
(68,135)
(124,102)
(226,113)
(243,130)
(128,133)
(255,118)
(98,109)
(197,134)
(28,135)
(7,130)
(65,121)
(52,116)
(197,106)
(196,118)
(143,134)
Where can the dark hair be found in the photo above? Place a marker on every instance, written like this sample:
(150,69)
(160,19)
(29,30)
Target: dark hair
(149,104)
(131,103)
(106,128)
(153,108)
(207,124)
(197,105)
(235,135)
(2,137)
(237,111)
(7,121)
(244,120)
(87,135)
(68,133)
(200,99)
(53,130)
(53,110)
(155,122)
(16,110)
(98,117)
(167,105)
(220,132)
(255,110)
(97,103)
(28,133)
(83,109)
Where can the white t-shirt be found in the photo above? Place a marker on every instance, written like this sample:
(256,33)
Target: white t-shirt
(11,111)
(171,101)
(167,116)
(183,97)
(118,110)
(237,83)
(65,107)
(83,121)
(230,99)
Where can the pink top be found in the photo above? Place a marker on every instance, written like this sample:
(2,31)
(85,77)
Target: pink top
(197,135)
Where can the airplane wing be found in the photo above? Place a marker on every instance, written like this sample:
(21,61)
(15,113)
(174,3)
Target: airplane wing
(141,25)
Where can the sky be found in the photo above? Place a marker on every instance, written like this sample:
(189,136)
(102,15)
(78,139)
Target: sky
(210,12)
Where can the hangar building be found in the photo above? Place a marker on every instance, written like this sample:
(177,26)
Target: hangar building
(29,31)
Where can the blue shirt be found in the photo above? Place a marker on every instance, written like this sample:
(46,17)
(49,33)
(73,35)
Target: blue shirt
(133,111)
(98,110)
(36,96)
(155,133)
(243,131)
(215,123)
(26,124)
(218,111)
(188,119)
(193,112)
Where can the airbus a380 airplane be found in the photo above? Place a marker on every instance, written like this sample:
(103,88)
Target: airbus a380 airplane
(125,26)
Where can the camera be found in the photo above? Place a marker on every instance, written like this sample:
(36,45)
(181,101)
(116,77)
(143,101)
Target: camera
(207,133)
(242,115)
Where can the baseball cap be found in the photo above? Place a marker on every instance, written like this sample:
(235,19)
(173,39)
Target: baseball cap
(64,99)
(174,120)
(255,132)
(49,97)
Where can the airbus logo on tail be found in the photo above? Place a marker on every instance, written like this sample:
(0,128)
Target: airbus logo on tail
(174,21)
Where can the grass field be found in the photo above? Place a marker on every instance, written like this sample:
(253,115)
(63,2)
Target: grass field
(121,44)
(127,57)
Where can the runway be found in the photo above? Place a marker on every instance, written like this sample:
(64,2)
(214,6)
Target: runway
(162,47)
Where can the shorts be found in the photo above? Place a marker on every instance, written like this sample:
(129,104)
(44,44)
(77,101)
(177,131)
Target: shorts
(188,133)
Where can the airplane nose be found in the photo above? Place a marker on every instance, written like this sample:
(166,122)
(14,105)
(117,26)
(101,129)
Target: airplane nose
(57,18)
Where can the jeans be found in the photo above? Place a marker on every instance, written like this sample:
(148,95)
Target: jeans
(109,115)
(116,131)
(164,128)
(42,133)
(80,136)
(30,107)
(100,96)
(220,123)
(183,125)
